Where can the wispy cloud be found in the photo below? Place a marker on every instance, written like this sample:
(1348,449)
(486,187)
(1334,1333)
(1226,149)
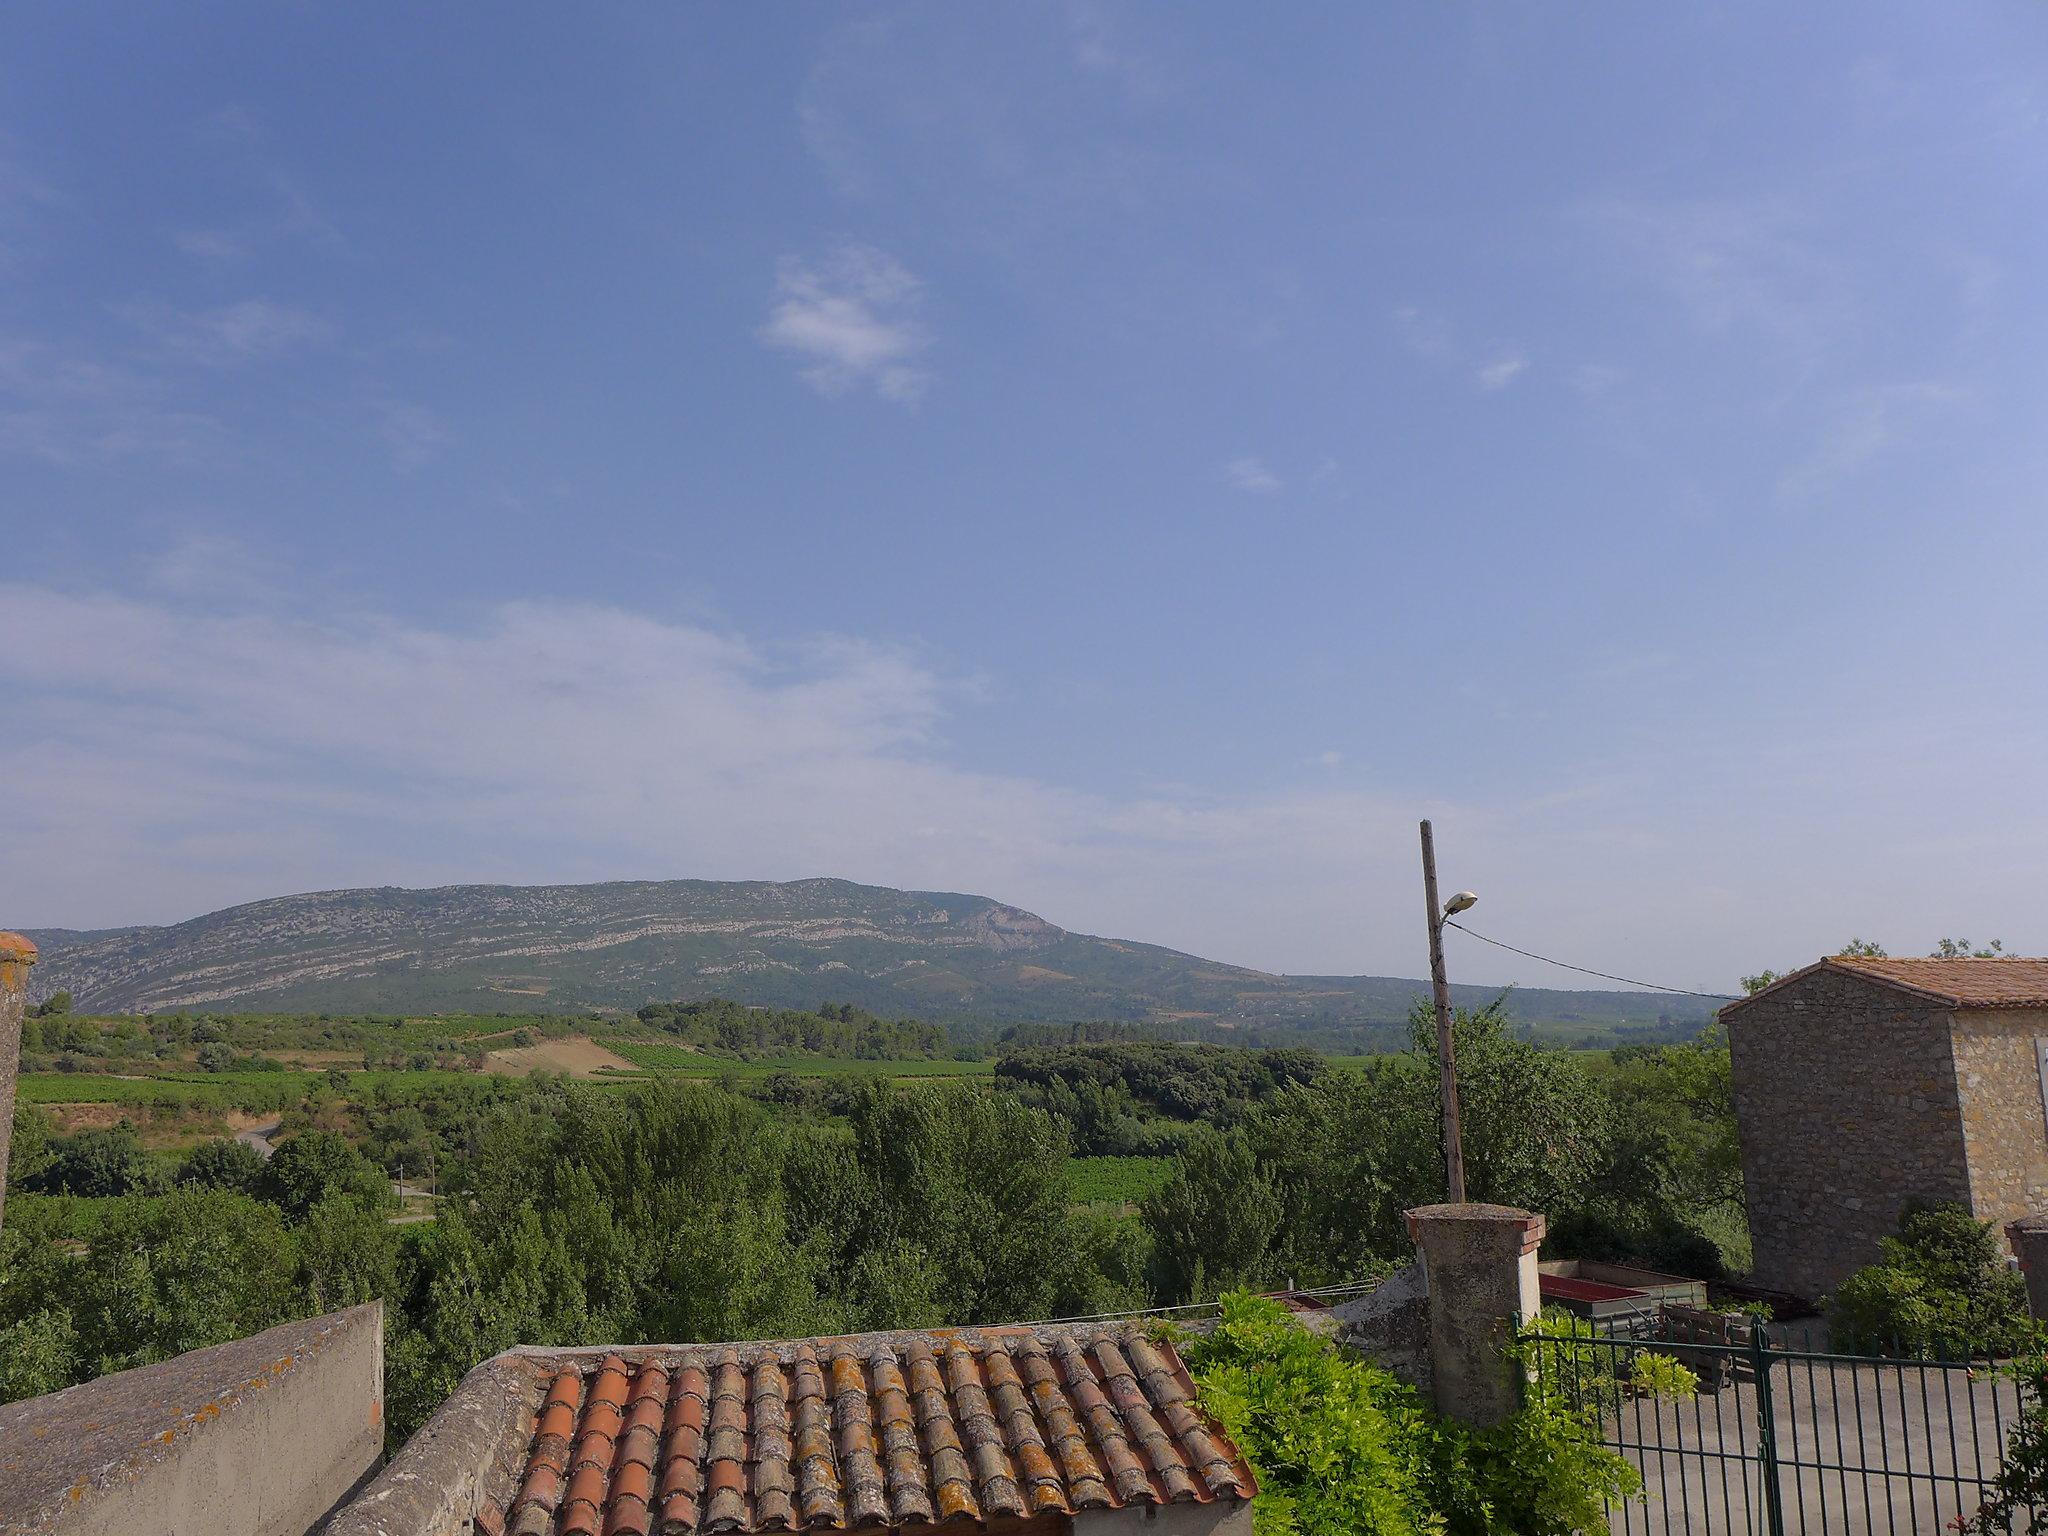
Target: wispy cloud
(283,210)
(186,748)
(1757,265)
(215,245)
(1252,475)
(183,750)
(1594,380)
(1501,370)
(24,200)
(235,333)
(1100,49)
(412,433)
(1859,429)
(68,409)
(1433,338)
(1424,333)
(211,566)
(852,321)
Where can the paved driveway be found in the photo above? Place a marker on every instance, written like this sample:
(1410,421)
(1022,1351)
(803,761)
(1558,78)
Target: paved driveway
(1865,1448)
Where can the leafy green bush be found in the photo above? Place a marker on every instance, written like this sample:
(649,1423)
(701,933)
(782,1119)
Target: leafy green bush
(1941,1287)
(1340,1445)
(2022,1482)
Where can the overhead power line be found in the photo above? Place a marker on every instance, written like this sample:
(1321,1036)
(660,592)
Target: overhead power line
(1719,997)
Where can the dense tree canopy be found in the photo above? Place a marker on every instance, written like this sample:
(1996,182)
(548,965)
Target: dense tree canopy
(678,1211)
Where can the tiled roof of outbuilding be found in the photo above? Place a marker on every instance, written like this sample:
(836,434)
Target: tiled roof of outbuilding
(876,1430)
(2000,982)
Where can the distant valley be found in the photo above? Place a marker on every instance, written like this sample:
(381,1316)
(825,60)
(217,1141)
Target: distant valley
(963,960)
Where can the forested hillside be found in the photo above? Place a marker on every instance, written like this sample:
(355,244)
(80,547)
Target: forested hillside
(960,960)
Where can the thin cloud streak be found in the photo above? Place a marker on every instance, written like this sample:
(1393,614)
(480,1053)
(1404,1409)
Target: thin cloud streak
(1252,476)
(177,752)
(852,321)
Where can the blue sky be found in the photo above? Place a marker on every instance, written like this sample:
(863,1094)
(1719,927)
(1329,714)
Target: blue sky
(1127,460)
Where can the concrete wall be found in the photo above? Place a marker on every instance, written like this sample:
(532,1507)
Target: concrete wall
(1480,1263)
(261,1437)
(2005,1122)
(454,1476)
(1848,1105)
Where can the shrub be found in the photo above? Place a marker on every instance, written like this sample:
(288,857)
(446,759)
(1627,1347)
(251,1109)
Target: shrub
(2022,1482)
(98,1162)
(309,1167)
(1941,1287)
(1340,1445)
(221,1163)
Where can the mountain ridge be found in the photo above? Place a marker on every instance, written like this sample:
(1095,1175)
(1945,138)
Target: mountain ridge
(941,955)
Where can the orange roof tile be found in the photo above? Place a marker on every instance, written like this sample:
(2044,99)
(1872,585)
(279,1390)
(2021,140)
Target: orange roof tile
(2004,982)
(873,1430)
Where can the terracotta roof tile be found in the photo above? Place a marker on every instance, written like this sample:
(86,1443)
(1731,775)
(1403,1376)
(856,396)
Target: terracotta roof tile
(2004,982)
(983,1426)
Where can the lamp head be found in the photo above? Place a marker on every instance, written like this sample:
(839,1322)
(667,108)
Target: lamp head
(1459,903)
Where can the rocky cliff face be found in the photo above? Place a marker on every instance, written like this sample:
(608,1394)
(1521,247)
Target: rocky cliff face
(494,945)
(562,948)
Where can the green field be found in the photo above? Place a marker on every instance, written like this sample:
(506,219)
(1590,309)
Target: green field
(657,1057)
(224,1090)
(279,1090)
(1117,1180)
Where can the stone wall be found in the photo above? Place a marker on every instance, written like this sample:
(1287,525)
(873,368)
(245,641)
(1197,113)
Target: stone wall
(2005,1123)
(1848,1105)
(260,1437)
(16,956)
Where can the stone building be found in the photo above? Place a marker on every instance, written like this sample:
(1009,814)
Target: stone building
(1862,1083)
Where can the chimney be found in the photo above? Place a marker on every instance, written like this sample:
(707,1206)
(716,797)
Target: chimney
(16,956)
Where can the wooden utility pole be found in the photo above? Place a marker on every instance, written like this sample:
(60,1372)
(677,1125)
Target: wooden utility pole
(1446,1052)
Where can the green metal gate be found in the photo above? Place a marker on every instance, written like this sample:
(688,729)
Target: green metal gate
(1785,1435)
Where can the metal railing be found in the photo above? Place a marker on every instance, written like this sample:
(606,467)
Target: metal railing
(1784,1434)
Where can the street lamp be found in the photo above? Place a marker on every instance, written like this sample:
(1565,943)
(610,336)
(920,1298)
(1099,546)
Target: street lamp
(1446,1052)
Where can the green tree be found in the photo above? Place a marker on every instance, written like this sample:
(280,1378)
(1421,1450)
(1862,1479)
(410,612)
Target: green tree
(1213,1223)
(56,1003)
(179,1272)
(308,1168)
(221,1163)
(29,1149)
(109,1161)
(1941,1284)
(1963,949)
(979,1183)
(347,1254)
(38,1344)
(1534,1127)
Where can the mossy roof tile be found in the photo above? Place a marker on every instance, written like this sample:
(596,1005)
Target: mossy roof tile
(974,1427)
